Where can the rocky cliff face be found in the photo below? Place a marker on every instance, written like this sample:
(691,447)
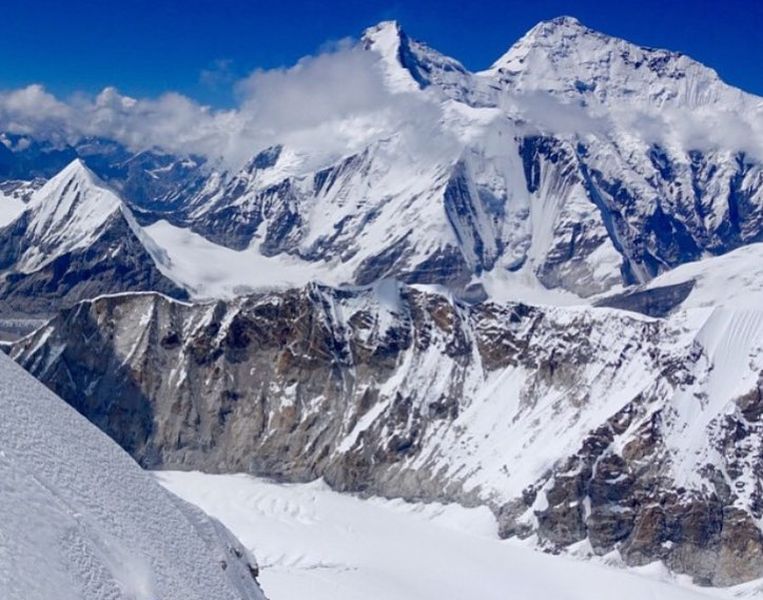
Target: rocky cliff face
(577,424)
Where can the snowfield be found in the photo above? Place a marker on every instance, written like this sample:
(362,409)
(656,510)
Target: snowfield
(10,209)
(81,521)
(734,279)
(319,544)
(210,270)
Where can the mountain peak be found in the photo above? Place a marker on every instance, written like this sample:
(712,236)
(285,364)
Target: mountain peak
(570,60)
(399,61)
(409,65)
(564,21)
(385,34)
(72,205)
(76,239)
(75,170)
(556,32)
(74,184)
(385,38)
(382,28)
(549,36)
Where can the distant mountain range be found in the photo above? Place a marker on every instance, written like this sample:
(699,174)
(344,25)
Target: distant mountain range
(551,178)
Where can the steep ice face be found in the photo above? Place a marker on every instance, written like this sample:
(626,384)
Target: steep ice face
(81,520)
(410,65)
(67,213)
(567,59)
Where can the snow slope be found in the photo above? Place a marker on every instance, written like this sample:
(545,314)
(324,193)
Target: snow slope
(209,270)
(734,279)
(81,521)
(10,208)
(330,546)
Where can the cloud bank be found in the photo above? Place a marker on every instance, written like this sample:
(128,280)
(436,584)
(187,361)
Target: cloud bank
(706,128)
(336,103)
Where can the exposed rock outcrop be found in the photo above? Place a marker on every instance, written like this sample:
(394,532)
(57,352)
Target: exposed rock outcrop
(571,424)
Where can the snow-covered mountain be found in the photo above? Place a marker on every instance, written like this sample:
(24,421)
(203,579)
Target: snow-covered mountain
(565,58)
(577,163)
(75,239)
(409,65)
(81,521)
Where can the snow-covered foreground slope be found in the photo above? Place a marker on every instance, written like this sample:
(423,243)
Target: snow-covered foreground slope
(733,280)
(313,542)
(81,521)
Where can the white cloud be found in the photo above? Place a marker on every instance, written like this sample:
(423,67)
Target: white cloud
(32,110)
(332,103)
(705,128)
(172,121)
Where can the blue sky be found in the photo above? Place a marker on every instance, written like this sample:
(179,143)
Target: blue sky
(197,47)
